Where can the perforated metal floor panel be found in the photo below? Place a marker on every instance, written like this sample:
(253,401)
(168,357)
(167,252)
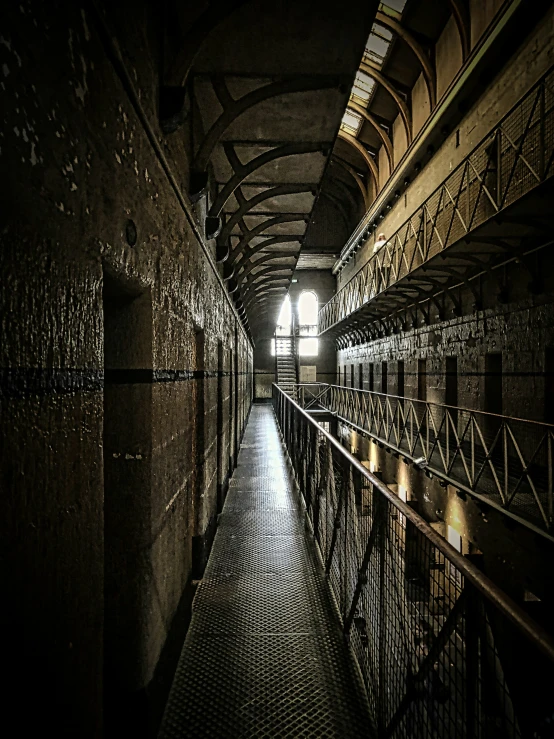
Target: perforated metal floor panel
(264,655)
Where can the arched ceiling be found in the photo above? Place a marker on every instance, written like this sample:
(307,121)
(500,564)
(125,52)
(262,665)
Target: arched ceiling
(265,85)
(287,106)
(399,49)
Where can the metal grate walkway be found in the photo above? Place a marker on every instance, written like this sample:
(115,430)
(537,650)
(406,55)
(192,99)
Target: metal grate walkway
(264,655)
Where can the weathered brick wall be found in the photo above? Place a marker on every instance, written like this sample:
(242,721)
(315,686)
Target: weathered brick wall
(79,164)
(530,60)
(522,331)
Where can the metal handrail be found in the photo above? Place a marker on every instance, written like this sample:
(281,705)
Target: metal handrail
(513,158)
(427,402)
(431,633)
(505,461)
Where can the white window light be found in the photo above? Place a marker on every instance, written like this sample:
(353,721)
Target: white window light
(280,346)
(363,87)
(308,347)
(351,122)
(403,495)
(382,31)
(454,538)
(285,318)
(378,44)
(393,8)
(308,305)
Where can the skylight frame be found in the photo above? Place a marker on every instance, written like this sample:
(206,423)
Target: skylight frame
(351,122)
(359,93)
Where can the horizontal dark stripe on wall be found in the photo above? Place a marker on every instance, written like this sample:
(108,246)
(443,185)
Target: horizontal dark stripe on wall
(19,382)
(392,373)
(23,381)
(141,376)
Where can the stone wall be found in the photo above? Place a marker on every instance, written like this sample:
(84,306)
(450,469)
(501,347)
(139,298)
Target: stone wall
(126,375)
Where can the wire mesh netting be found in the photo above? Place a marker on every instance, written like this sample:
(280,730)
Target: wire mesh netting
(443,653)
(508,461)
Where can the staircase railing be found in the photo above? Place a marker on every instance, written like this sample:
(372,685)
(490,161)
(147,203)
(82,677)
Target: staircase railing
(443,652)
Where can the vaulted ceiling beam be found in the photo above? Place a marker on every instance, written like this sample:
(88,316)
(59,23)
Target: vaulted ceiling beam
(373,71)
(427,68)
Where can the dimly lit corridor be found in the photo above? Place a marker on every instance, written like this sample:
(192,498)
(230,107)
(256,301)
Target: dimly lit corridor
(264,654)
(277,368)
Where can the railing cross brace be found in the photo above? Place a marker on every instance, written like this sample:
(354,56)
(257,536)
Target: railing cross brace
(362,572)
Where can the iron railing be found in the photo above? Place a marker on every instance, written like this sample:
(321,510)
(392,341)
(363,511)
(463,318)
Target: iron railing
(510,161)
(508,462)
(443,652)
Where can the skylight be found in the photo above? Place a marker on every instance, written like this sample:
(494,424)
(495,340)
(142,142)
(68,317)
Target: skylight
(378,44)
(393,8)
(351,122)
(363,87)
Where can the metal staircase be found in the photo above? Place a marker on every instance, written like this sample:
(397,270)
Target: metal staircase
(286,370)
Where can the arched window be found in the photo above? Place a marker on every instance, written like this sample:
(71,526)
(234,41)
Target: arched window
(307,323)
(285,318)
(307,313)
(283,328)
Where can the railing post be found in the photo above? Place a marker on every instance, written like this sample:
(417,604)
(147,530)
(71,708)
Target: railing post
(447,425)
(383,511)
(498,154)
(472,698)
(542,137)
(427,425)
(506,468)
(346,490)
(550,481)
(472,422)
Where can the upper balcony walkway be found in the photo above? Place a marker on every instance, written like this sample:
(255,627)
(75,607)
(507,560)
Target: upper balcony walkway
(506,462)
(492,208)
(341,613)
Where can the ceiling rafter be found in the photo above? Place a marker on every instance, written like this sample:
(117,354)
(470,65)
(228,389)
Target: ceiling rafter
(261,227)
(353,141)
(366,115)
(358,180)
(461,17)
(346,191)
(255,296)
(429,73)
(192,42)
(337,202)
(244,170)
(235,108)
(273,192)
(247,254)
(373,71)
(263,260)
(266,275)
